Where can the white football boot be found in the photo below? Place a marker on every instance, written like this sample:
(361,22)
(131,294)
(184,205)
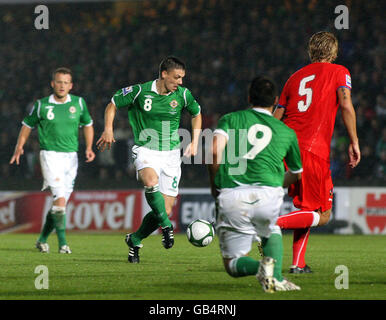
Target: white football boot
(284,285)
(43,247)
(265,274)
(65,249)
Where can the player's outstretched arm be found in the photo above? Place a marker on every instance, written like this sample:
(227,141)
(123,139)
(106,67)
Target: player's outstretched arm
(107,137)
(349,120)
(21,140)
(89,138)
(218,146)
(191,149)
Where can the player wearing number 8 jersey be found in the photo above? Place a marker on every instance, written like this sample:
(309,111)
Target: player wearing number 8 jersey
(58,118)
(246,179)
(308,104)
(154,113)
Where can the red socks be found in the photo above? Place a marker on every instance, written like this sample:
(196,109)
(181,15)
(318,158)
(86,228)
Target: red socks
(299,247)
(297,220)
(300,221)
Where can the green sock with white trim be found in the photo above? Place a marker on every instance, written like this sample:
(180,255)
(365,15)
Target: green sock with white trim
(243,266)
(273,247)
(156,201)
(148,226)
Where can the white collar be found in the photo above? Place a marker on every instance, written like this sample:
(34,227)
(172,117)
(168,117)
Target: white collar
(154,87)
(262,110)
(51,99)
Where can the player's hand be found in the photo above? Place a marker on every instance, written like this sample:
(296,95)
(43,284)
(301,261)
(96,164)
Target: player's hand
(354,155)
(90,155)
(106,139)
(191,150)
(16,156)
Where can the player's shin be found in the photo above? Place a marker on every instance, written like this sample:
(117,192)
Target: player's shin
(48,227)
(298,220)
(148,226)
(157,202)
(243,266)
(273,247)
(59,218)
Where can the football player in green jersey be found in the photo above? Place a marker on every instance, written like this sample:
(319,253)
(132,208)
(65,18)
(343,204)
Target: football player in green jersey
(58,118)
(154,113)
(247,178)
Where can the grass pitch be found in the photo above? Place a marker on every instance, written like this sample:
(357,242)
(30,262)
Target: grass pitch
(98,269)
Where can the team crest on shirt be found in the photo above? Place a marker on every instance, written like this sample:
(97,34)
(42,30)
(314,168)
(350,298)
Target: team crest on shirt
(127,90)
(72,109)
(174,103)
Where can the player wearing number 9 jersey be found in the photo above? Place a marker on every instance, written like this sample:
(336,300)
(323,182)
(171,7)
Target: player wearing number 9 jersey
(247,176)
(308,104)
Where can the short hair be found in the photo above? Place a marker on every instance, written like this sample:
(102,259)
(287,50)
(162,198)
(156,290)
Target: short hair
(323,46)
(170,63)
(62,70)
(262,92)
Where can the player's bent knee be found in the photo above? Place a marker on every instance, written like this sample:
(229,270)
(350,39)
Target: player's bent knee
(227,265)
(324,217)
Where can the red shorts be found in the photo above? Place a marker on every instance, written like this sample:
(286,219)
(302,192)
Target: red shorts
(315,189)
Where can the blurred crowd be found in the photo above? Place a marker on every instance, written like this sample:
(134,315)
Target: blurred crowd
(224,43)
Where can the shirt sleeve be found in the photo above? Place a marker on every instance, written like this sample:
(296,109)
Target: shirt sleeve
(292,158)
(85,118)
(33,118)
(191,104)
(223,126)
(343,78)
(125,97)
(283,101)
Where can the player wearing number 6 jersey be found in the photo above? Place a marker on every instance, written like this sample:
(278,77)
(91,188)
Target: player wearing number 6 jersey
(309,103)
(154,112)
(246,179)
(58,118)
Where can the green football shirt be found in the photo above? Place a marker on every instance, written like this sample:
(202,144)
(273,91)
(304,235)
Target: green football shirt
(257,144)
(58,123)
(155,118)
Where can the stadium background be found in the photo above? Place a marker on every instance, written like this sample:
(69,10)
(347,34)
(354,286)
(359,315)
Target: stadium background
(109,45)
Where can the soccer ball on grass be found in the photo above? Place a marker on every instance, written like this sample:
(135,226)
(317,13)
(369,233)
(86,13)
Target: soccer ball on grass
(200,233)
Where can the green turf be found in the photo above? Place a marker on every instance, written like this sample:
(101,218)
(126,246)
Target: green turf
(98,269)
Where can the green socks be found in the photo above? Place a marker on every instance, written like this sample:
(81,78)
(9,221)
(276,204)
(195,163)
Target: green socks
(47,228)
(157,202)
(273,247)
(148,226)
(247,266)
(59,218)
(55,219)
(243,266)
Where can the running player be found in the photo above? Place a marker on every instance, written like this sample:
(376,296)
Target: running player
(58,118)
(154,112)
(309,103)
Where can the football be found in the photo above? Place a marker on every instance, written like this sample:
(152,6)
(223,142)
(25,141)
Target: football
(200,233)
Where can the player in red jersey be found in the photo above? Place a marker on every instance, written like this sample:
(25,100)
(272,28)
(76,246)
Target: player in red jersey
(308,104)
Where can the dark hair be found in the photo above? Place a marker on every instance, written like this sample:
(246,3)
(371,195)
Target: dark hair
(171,63)
(262,92)
(62,70)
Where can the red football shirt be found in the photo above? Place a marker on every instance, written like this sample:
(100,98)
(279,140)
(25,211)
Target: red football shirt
(310,100)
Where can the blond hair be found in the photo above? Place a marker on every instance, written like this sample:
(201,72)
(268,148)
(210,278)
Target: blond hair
(323,46)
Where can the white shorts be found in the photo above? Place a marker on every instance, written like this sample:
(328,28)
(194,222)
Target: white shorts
(167,165)
(59,171)
(244,213)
